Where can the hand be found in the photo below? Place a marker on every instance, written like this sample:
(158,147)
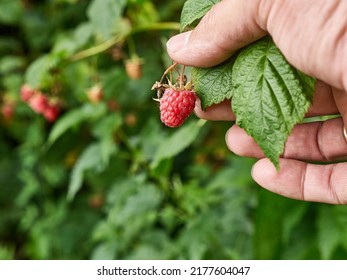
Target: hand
(312,34)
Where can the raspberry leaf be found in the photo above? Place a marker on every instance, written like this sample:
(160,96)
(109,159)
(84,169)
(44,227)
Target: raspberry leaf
(213,85)
(177,142)
(111,12)
(38,70)
(270,96)
(194,10)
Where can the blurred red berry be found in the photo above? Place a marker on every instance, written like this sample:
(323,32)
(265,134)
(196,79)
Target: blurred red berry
(7,110)
(38,102)
(26,92)
(51,113)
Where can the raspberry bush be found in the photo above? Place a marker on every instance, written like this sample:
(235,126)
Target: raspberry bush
(88,170)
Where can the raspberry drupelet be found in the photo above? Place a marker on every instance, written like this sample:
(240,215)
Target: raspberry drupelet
(176,106)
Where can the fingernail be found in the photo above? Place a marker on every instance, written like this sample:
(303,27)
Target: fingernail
(176,43)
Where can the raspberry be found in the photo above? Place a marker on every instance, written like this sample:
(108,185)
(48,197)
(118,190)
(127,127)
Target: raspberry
(176,106)
(7,110)
(26,92)
(133,68)
(95,94)
(51,113)
(38,102)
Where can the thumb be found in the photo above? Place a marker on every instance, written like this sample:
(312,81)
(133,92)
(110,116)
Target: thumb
(213,41)
(340,98)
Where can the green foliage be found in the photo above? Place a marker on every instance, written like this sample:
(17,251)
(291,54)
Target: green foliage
(10,11)
(107,180)
(74,118)
(214,85)
(111,12)
(193,10)
(177,143)
(39,70)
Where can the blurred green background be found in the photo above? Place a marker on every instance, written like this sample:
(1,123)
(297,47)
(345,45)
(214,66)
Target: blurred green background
(107,180)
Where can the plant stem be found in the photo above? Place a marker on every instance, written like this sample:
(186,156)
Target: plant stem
(132,48)
(118,38)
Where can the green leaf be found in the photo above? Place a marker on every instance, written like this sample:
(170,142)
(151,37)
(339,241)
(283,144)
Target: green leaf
(67,44)
(329,231)
(10,63)
(104,15)
(194,10)
(6,253)
(292,218)
(177,142)
(89,159)
(270,96)
(39,69)
(10,11)
(82,34)
(213,85)
(95,157)
(73,118)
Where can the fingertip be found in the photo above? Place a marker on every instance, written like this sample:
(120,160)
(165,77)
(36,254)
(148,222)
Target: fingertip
(177,43)
(226,27)
(216,112)
(286,182)
(263,172)
(240,143)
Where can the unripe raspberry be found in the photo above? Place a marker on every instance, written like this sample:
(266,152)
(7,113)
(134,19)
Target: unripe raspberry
(176,106)
(95,94)
(133,68)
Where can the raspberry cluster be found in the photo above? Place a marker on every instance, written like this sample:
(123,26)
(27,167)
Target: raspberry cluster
(40,103)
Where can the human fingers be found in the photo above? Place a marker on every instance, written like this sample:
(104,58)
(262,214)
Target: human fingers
(228,26)
(340,98)
(311,34)
(323,104)
(304,181)
(317,141)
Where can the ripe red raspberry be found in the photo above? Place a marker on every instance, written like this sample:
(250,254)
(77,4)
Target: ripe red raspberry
(176,106)
(7,110)
(51,113)
(26,92)
(38,102)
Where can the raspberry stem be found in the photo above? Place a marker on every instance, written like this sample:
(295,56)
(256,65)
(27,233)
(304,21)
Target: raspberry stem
(168,70)
(121,37)
(181,84)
